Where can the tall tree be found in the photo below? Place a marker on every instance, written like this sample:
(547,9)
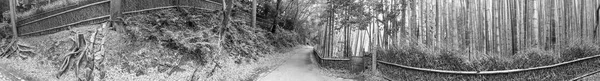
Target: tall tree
(513,28)
(277,11)
(254,4)
(597,23)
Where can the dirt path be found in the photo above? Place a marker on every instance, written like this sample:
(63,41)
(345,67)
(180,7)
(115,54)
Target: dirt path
(8,74)
(298,68)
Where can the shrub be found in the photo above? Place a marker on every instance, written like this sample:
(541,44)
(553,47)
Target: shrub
(173,30)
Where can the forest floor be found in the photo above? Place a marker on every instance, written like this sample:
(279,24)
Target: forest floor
(298,67)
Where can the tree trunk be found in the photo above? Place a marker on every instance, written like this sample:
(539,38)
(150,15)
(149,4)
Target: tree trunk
(347,39)
(254,4)
(274,27)
(13,18)
(513,28)
(597,23)
(535,24)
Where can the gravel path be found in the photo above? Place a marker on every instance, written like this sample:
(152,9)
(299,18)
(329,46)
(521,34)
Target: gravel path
(298,68)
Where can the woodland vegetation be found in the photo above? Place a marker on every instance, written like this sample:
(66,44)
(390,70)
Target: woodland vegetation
(458,35)
(463,35)
(190,43)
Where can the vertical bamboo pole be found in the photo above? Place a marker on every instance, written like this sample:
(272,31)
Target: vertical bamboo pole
(567,22)
(482,26)
(556,22)
(374,56)
(453,23)
(536,25)
(506,34)
(520,24)
(560,6)
(493,25)
(426,22)
(419,21)
(513,27)
(526,24)
(503,25)
(542,23)
(488,25)
(13,18)
(436,28)
(475,25)
(254,10)
(445,26)
(581,20)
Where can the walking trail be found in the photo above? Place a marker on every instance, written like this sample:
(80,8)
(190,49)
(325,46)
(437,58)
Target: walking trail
(8,74)
(298,67)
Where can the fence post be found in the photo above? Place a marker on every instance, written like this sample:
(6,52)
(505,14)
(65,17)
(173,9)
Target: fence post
(115,14)
(374,61)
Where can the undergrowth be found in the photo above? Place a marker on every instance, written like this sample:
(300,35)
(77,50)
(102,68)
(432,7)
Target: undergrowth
(195,35)
(449,59)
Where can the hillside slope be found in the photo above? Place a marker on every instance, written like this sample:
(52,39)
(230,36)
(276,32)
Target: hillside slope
(171,44)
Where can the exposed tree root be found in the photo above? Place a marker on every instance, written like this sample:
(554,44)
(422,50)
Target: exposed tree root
(13,49)
(76,52)
(80,53)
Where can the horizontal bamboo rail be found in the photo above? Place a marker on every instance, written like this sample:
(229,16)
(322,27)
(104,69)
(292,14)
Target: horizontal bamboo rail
(26,23)
(106,16)
(488,72)
(60,13)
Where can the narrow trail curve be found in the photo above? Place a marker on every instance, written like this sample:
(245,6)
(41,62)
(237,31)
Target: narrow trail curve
(298,67)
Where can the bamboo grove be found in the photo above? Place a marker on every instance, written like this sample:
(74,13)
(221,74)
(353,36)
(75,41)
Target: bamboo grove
(475,26)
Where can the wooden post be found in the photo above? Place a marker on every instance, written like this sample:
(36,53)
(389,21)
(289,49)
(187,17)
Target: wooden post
(115,14)
(374,55)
